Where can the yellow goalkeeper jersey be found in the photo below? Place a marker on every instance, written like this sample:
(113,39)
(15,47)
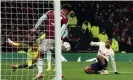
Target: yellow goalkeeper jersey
(34,54)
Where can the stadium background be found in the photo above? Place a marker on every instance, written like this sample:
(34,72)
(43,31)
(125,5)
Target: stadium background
(89,20)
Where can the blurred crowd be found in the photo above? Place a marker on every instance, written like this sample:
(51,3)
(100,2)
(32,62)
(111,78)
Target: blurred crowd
(88,21)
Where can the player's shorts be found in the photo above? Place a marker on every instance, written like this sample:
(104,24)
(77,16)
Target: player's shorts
(97,66)
(47,44)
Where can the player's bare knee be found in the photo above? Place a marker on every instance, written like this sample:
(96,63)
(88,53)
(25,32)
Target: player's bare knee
(99,57)
(87,70)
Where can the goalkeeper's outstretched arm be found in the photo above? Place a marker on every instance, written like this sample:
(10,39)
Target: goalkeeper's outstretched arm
(12,43)
(40,39)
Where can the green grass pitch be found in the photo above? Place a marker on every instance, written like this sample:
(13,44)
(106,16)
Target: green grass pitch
(71,71)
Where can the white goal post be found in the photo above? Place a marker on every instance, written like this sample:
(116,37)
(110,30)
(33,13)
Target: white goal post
(57,40)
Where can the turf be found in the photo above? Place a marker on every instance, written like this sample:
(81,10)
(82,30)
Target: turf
(75,71)
(71,71)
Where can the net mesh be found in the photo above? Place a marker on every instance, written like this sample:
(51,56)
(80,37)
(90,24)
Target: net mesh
(17,18)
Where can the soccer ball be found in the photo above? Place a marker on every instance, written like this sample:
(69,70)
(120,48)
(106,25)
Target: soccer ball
(66,46)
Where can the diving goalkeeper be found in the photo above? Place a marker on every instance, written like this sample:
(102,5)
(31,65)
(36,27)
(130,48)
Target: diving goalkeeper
(32,53)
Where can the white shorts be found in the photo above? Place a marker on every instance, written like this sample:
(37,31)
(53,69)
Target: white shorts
(47,44)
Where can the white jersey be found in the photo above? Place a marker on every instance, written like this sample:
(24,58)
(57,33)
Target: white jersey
(106,53)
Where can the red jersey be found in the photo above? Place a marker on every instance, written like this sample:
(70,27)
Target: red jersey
(50,28)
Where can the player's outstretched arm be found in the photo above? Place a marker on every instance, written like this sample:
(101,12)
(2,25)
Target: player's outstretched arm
(12,43)
(39,40)
(96,43)
(113,63)
(42,18)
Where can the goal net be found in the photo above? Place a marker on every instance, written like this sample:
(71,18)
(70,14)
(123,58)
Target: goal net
(17,18)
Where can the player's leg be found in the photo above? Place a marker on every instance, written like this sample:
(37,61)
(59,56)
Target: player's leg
(40,63)
(88,70)
(52,49)
(34,61)
(102,61)
(53,55)
(93,68)
(44,47)
(10,42)
(50,53)
(14,67)
(32,66)
(41,56)
(27,64)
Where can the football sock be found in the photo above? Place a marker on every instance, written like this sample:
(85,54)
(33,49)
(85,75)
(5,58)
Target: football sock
(40,65)
(22,66)
(32,66)
(53,53)
(49,59)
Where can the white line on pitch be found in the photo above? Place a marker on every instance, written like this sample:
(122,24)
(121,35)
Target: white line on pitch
(109,71)
(122,72)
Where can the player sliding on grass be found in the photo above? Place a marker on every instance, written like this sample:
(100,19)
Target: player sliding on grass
(32,53)
(50,34)
(104,53)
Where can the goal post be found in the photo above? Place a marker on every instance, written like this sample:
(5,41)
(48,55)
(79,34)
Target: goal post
(17,18)
(0,42)
(57,40)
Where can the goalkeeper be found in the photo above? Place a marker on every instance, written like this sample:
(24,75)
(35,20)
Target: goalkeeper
(32,53)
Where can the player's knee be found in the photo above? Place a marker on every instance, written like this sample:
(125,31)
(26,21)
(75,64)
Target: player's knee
(87,70)
(99,57)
